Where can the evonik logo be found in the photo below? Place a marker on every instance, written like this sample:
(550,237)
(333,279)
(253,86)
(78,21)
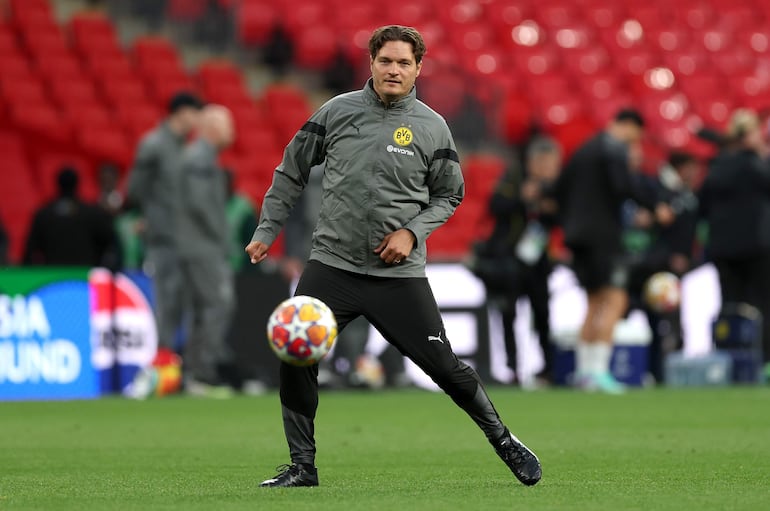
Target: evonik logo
(399,150)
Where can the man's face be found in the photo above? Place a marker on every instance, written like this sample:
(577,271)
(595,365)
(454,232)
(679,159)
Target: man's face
(188,118)
(690,172)
(545,166)
(394,70)
(631,133)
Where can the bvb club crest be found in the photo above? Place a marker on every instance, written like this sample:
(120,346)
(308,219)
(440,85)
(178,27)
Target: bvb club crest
(403,136)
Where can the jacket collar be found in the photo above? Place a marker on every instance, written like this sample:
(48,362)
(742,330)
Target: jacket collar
(404,103)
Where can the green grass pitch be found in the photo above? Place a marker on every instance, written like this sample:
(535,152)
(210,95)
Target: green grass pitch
(649,450)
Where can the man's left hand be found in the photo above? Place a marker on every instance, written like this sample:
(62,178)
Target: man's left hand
(396,246)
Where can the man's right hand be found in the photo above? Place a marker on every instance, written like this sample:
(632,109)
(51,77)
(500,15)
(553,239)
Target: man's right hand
(257,251)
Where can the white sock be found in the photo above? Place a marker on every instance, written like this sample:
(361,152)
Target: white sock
(600,356)
(583,357)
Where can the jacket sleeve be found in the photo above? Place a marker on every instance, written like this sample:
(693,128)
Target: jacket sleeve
(446,189)
(305,150)
(142,173)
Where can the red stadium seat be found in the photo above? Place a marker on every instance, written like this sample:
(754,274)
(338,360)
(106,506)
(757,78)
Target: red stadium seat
(20,7)
(315,47)
(602,86)
(43,43)
(278,96)
(8,41)
(73,91)
(604,14)
(186,10)
(688,61)
(94,34)
(89,114)
(60,66)
(11,145)
(534,62)
(105,145)
(14,65)
(302,15)
(111,67)
(22,90)
(219,71)
(714,112)
(587,61)
(693,15)
(733,60)
(257,140)
(151,53)
(516,119)
(482,172)
(123,91)
(138,118)
(42,122)
(255,21)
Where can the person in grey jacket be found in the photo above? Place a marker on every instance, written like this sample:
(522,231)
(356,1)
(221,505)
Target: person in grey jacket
(153,187)
(392,176)
(203,262)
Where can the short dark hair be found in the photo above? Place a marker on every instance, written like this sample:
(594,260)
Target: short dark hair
(184,99)
(397,33)
(677,159)
(67,181)
(630,115)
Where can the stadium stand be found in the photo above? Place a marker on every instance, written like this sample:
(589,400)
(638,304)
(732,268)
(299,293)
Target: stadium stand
(72,91)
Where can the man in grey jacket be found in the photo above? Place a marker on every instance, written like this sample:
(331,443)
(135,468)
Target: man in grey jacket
(203,262)
(392,176)
(153,186)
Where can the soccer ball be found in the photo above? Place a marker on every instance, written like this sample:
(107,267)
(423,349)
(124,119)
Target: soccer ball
(302,330)
(662,292)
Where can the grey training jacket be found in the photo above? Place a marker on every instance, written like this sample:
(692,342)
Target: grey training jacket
(202,218)
(386,168)
(154,182)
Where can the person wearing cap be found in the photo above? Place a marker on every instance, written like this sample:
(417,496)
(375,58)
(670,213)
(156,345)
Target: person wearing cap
(153,187)
(735,201)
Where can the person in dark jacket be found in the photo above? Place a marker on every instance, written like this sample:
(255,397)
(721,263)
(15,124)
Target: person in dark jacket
(519,240)
(392,176)
(735,201)
(654,248)
(70,232)
(590,192)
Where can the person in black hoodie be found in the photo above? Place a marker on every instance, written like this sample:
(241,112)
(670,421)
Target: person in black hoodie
(735,201)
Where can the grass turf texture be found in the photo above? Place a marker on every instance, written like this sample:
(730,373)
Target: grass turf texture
(649,450)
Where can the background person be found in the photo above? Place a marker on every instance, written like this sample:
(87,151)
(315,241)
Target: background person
(735,201)
(590,192)
(203,255)
(520,239)
(654,248)
(70,232)
(153,187)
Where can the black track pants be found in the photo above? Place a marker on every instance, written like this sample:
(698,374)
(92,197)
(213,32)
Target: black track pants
(405,312)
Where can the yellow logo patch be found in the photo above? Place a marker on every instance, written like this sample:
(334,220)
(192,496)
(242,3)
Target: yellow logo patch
(403,136)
